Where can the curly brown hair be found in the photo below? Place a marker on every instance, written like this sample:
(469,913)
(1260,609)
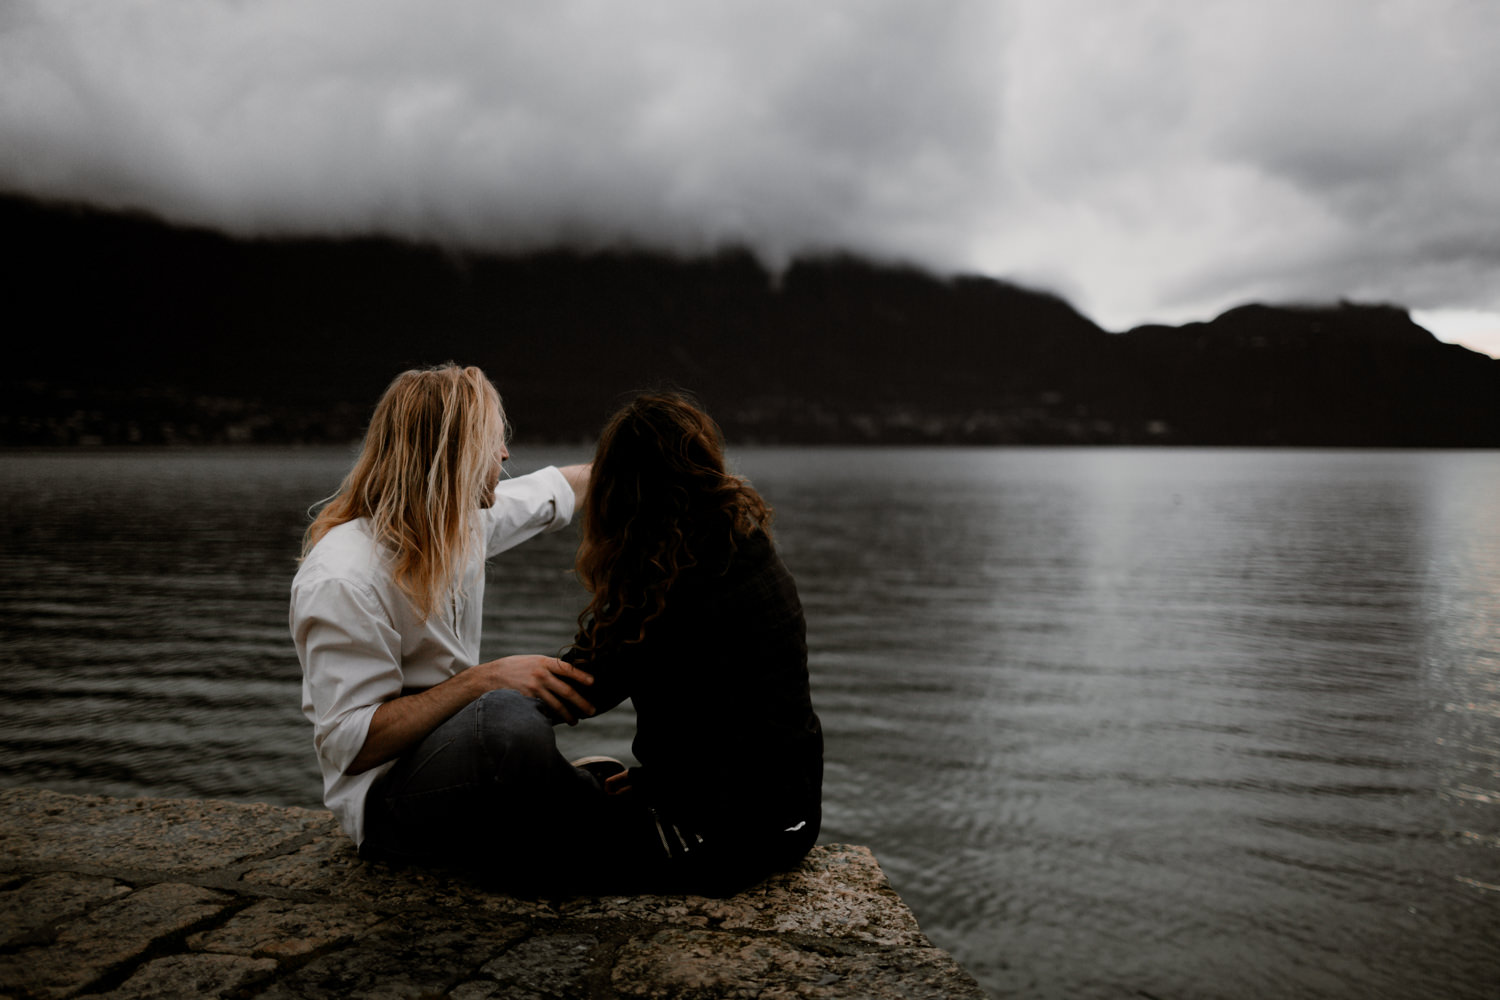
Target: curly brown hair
(660,504)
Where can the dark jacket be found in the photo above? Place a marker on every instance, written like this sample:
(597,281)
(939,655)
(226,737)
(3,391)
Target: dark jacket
(725,732)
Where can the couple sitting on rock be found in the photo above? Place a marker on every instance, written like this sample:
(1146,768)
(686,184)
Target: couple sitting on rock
(431,757)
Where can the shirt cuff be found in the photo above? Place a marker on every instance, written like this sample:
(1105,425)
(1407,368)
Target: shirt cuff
(343,742)
(562,497)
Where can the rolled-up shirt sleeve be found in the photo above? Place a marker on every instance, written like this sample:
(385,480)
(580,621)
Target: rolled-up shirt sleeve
(527,506)
(351,657)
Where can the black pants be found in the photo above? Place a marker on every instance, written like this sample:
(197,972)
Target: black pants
(648,848)
(488,793)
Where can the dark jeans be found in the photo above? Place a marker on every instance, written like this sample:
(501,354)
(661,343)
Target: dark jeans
(489,793)
(486,791)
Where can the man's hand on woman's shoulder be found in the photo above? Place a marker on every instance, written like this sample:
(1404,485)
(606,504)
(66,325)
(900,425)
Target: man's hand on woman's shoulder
(537,677)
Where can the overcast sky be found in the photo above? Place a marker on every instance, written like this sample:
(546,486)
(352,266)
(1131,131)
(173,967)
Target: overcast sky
(1148,160)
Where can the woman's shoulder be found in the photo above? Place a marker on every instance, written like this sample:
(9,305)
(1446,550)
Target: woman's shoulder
(754,566)
(729,555)
(756,549)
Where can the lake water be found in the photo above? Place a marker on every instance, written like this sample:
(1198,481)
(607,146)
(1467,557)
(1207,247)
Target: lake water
(1118,723)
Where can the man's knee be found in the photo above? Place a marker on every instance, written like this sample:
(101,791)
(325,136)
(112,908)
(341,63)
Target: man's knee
(514,732)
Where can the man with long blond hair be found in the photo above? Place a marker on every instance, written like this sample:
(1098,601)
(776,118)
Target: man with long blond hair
(424,750)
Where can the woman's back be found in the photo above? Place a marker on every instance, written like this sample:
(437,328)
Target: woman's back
(694,618)
(720,686)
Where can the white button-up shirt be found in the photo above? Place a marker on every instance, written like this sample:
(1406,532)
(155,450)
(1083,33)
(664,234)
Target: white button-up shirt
(361,642)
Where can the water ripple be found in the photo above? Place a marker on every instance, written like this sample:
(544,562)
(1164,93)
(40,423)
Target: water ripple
(1171,723)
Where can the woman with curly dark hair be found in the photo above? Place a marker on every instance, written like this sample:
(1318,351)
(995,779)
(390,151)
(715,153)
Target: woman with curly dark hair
(695,619)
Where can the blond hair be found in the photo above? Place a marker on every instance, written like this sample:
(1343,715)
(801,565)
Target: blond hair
(422,476)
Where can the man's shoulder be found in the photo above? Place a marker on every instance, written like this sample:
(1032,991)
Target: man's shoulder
(345,571)
(347,553)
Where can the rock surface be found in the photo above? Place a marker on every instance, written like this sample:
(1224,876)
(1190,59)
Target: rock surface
(185,898)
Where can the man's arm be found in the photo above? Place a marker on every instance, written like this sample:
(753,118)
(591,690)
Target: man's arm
(531,504)
(401,723)
(578,478)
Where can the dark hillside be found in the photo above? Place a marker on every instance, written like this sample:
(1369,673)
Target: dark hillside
(126,330)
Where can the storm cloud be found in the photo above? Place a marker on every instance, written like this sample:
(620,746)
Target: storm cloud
(1150,161)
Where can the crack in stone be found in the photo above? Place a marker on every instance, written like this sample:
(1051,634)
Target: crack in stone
(333,924)
(174,943)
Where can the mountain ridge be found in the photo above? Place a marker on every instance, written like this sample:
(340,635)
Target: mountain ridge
(198,337)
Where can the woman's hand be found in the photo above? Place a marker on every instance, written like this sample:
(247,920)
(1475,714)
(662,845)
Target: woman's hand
(539,677)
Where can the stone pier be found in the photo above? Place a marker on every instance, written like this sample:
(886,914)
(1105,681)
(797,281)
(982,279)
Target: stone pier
(130,898)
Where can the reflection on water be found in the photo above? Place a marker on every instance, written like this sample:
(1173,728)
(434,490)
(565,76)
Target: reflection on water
(1117,722)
